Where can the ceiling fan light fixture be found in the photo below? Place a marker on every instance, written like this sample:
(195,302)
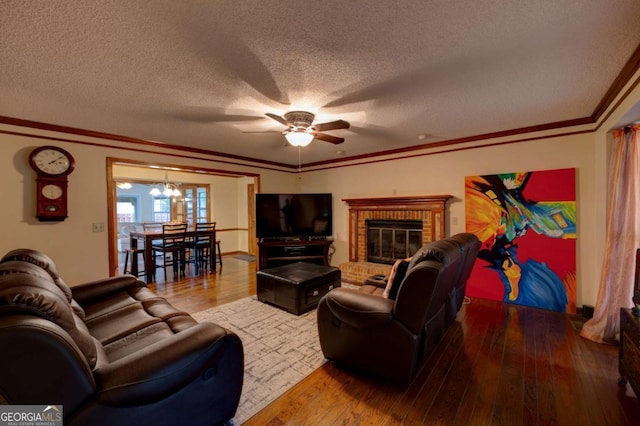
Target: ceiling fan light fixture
(300,119)
(298,138)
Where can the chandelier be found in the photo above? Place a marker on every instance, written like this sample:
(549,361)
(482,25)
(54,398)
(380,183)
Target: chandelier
(166,188)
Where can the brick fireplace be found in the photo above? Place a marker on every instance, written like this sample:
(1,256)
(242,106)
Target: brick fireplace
(428,209)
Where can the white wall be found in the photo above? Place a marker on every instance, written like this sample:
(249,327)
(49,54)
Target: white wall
(225,197)
(243,212)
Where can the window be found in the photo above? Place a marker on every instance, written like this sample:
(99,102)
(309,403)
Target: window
(127,209)
(196,203)
(135,204)
(161,209)
(202,202)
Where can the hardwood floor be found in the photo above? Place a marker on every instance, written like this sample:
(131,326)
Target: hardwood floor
(498,364)
(234,280)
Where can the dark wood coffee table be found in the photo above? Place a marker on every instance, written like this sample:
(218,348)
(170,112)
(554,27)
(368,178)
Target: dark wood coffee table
(296,287)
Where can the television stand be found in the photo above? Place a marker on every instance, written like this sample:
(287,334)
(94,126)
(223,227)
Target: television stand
(272,253)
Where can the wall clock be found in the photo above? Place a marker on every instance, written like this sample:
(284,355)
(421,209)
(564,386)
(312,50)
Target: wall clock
(52,166)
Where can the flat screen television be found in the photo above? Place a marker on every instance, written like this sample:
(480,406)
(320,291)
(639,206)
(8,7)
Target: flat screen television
(291,216)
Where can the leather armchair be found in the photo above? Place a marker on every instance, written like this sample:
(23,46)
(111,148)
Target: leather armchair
(391,338)
(110,351)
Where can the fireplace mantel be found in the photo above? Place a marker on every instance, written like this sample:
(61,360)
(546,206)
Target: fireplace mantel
(398,203)
(429,209)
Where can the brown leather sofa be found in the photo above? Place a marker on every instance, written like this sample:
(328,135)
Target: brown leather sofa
(392,338)
(110,351)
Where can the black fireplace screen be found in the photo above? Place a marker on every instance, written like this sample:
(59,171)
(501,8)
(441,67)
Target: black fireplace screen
(388,240)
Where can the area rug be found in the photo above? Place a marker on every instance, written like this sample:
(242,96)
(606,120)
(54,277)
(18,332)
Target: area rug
(247,257)
(280,349)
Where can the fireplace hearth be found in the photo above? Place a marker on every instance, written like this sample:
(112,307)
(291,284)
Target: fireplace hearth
(388,240)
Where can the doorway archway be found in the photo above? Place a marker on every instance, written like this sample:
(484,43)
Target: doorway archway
(239,233)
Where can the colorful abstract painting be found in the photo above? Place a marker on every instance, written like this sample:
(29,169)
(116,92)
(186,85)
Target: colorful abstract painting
(526,222)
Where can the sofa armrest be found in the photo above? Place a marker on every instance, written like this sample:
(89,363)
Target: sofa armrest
(95,290)
(161,369)
(40,362)
(359,310)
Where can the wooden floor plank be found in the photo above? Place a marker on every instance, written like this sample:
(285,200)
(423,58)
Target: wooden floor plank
(601,372)
(499,364)
(509,400)
(544,368)
(490,323)
(477,334)
(530,409)
(565,376)
(582,364)
(459,379)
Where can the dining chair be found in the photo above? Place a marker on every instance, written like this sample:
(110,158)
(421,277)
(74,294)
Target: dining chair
(170,242)
(133,269)
(203,240)
(219,255)
(153,226)
(131,252)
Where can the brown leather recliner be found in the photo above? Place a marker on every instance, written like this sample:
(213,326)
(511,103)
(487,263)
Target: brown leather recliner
(469,245)
(391,338)
(110,351)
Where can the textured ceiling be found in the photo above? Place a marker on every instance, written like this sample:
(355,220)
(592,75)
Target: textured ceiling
(203,73)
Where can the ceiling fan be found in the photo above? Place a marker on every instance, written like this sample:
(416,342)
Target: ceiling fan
(301,130)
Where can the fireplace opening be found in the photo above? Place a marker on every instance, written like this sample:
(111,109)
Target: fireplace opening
(388,240)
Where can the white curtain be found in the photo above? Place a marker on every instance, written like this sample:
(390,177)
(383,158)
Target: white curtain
(623,237)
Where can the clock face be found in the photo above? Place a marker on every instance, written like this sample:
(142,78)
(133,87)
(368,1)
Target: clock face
(51,161)
(52,192)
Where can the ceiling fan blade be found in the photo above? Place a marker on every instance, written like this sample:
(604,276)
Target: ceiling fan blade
(210,115)
(332,125)
(279,119)
(328,138)
(264,131)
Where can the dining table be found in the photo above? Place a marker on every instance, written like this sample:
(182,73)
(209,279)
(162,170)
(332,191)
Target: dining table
(148,236)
